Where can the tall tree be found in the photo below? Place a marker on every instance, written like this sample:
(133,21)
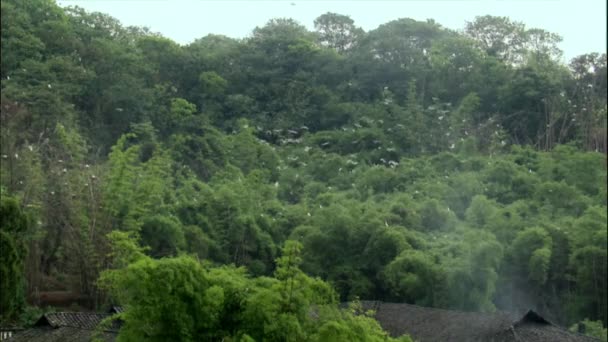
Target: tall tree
(337,31)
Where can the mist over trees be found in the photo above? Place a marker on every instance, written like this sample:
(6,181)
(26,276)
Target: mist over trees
(295,169)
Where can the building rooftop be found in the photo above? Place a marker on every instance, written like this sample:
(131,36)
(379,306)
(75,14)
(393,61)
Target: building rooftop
(68,327)
(429,325)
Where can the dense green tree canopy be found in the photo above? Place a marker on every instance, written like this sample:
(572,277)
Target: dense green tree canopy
(454,169)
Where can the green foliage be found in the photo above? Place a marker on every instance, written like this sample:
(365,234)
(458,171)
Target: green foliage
(472,264)
(481,212)
(182,299)
(31,315)
(350,325)
(337,31)
(528,242)
(415,278)
(163,235)
(14,225)
(591,328)
(412,162)
(125,249)
(136,188)
(436,217)
(163,299)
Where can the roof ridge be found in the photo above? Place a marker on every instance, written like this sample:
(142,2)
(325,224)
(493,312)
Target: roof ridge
(80,320)
(449,310)
(76,313)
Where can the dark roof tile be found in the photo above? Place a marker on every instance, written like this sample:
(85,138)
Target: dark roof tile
(61,334)
(82,320)
(429,324)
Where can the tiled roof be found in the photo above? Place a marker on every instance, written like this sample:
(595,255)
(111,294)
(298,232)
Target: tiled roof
(421,323)
(68,327)
(82,320)
(534,328)
(61,334)
(429,324)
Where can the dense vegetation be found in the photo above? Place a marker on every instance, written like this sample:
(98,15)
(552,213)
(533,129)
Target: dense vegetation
(411,163)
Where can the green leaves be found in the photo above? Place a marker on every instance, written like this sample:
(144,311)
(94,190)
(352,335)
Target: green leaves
(164,235)
(164,299)
(337,31)
(413,277)
(391,156)
(591,328)
(14,225)
(182,299)
(539,265)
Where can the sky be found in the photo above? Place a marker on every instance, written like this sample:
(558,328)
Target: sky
(581,23)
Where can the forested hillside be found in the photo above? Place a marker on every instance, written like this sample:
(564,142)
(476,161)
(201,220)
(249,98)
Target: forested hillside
(411,163)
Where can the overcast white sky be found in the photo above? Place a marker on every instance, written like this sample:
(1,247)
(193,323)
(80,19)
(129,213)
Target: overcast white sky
(582,23)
